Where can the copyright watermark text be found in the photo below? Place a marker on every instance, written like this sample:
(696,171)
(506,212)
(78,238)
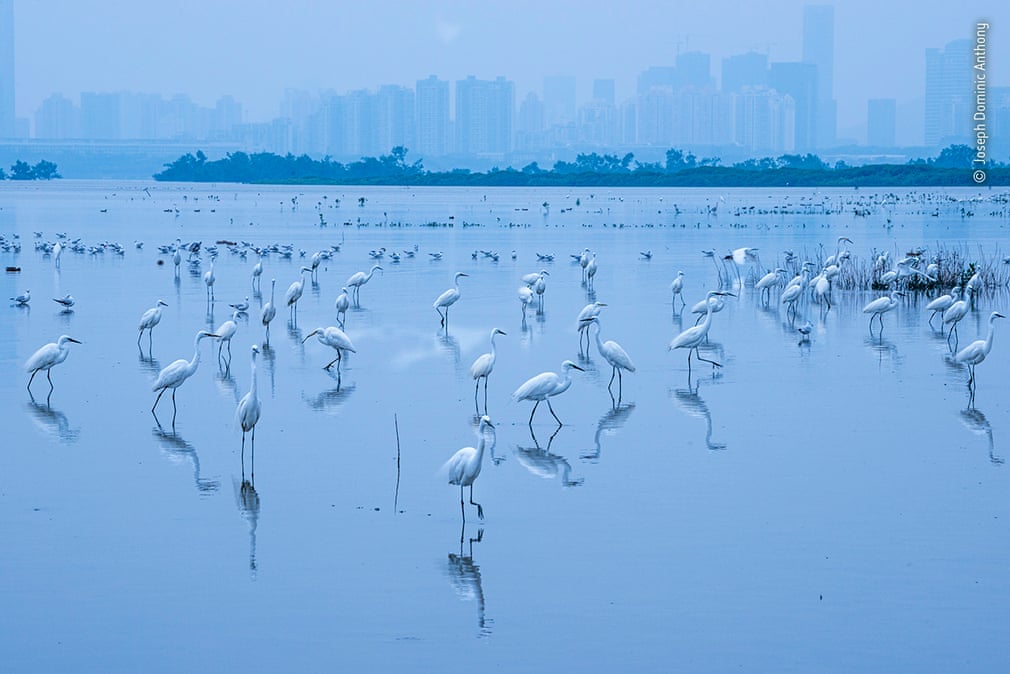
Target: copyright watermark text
(980,52)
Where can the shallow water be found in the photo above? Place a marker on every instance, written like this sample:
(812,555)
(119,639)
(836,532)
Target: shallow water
(829,505)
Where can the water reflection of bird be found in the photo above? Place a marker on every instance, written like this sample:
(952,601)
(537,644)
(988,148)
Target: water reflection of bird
(464,466)
(482,367)
(53,422)
(175,374)
(48,357)
(542,463)
(692,404)
(976,422)
(544,386)
(465,577)
(609,423)
(248,501)
(177,450)
(332,399)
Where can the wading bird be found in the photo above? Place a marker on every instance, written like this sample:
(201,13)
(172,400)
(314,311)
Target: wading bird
(447,299)
(342,304)
(150,319)
(248,411)
(953,316)
(881,306)
(269,311)
(225,332)
(482,367)
(691,338)
(334,338)
(359,279)
(47,357)
(294,293)
(583,321)
(175,375)
(66,301)
(975,353)
(677,288)
(613,354)
(544,386)
(464,466)
(256,273)
(942,303)
(208,279)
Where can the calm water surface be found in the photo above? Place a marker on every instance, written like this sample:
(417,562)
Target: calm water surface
(834,505)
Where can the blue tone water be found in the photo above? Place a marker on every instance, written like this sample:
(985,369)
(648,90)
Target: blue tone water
(830,505)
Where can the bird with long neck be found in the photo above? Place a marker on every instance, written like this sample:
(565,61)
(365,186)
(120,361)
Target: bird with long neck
(544,386)
(695,335)
(465,465)
(482,367)
(269,311)
(175,375)
(975,353)
(248,411)
(359,279)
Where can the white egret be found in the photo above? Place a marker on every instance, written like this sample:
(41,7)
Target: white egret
(208,279)
(482,367)
(769,281)
(342,304)
(531,279)
(47,357)
(691,338)
(448,298)
(57,253)
(256,273)
(591,271)
(702,307)
(175,375)
(248,411)
(23,299)
(953,316)
(334,338)
(525,298)
(613,354)
(177,260)
(464,466)
(150,319)
(294,293)
(358,279)
(66,301)
(269,311)
(677,288)
(539,287)
(975,353)
(316,258)
(583,321)
(225,332)
(880,306)
(544,386)
(942,303)
(584,262)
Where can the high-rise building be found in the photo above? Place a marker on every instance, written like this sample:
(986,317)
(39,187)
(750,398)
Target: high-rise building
(799,81)
(99,115)
(559,100)
(8,124)
(694,69)
(604,90)
(431,100)
(881,122)
(949,93)
(744,70)
(57,118)
(395,118)
(657,76)
(764,121)
(819,49)
(484,113)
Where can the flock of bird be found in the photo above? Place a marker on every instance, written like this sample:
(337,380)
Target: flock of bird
(804,289)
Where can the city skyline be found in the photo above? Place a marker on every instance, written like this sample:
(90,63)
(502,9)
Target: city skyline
(253,52)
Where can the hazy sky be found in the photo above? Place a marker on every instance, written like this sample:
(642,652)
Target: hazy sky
(254,49)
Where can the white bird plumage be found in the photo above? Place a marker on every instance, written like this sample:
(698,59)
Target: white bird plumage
(269,311)
(247,414)
(544,386)
(483,366)
(47,357)
(334,338)
(614,354)
(464,466)
(448,298)
(294,293)
(148,320)
(975,353)
(691,338)
(880,306)
(358,279)
(176,373)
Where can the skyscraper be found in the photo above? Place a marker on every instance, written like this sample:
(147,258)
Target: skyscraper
(432,103)
(881,122)
(7,121)
(799,81)
(484,112)
(819,49)
(559,100)
(603,90)
(744,70)
(694,69)
(948,93)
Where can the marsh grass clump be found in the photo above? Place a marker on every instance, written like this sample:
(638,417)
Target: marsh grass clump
(943,268)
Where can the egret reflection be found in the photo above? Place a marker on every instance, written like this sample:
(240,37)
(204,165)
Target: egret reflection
(609,424)
(248,502)
(53,423)
(977,423)
(331,400)
(542,463)
(466,579)
(693,405)
(179,451)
